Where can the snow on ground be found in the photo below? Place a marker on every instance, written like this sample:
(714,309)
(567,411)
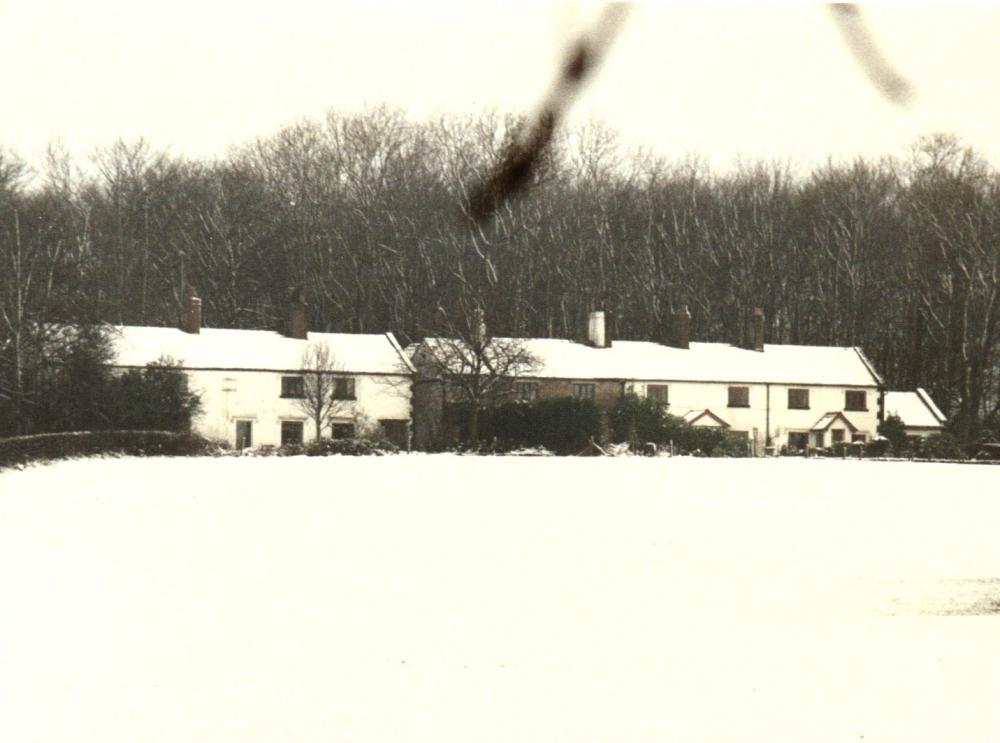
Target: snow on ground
(464,599)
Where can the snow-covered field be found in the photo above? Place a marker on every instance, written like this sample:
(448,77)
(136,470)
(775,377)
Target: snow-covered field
(443,598)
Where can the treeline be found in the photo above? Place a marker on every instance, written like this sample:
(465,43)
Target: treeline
(900,256)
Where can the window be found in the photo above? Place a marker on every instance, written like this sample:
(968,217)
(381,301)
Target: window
(798,399)
(739,397)
(798,440)
(855,400)
(526,391)
(658,392)
(342,430)
(838,435)
(293,387)
(291,432)
(859,438)
(343,388)
(583,390)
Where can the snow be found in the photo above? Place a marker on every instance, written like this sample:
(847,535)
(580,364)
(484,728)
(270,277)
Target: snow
(217,348)
(914,408)
(702,362)
(448,598)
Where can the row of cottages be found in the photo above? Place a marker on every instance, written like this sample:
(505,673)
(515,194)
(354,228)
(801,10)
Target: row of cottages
(253,383)
(775,395)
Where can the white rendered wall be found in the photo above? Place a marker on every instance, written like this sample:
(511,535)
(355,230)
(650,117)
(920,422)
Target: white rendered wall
(229,396)
(687,396)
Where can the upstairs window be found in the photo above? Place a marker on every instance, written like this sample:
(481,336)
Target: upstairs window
(343,388)
(584,390)
(739,397)
(798,399)
(293,387)
(658,392)
(526,391)
(855,400)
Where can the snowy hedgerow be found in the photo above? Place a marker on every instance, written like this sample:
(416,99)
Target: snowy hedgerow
(52,446)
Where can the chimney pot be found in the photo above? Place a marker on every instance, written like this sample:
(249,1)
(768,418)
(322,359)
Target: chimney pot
(680,329)
(595,330)
(757,330)
(297,327)
(191,319)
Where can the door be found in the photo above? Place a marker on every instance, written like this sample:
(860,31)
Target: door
(244,434)
(396,431)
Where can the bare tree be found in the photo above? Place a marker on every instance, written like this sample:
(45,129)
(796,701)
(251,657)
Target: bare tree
(326,392)
(471,366)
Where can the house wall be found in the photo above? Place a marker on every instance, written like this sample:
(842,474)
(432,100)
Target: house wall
(606,394)
(428,414)
(229,396)
(687,396)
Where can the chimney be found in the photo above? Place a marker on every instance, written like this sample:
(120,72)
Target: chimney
(297,315)
(756,340)
(191,316)
(680,329)
(595,330)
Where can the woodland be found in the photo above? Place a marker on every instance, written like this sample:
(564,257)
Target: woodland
(367,213)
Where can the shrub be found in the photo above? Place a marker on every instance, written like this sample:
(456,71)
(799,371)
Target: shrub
(154,398)
(877,448)
(941,446)
(52,446)
(566,425)
(710,442)
(349,447)
(638,420)
(894,431)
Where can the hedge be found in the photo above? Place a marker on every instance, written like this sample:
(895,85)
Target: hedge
(20,450)
(564,425)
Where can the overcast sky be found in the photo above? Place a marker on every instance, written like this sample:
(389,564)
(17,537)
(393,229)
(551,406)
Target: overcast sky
(720,81)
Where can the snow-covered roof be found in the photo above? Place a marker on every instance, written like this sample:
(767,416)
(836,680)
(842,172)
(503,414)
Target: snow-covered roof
(915,409)
(693,416)
(828,420)
(216,348)
(702,362)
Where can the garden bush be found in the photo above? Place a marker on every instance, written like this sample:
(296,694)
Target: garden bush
(941,446)
(877,448)
(349,447)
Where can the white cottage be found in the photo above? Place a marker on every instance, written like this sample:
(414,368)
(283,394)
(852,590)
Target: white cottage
(252,382)
(917,411)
